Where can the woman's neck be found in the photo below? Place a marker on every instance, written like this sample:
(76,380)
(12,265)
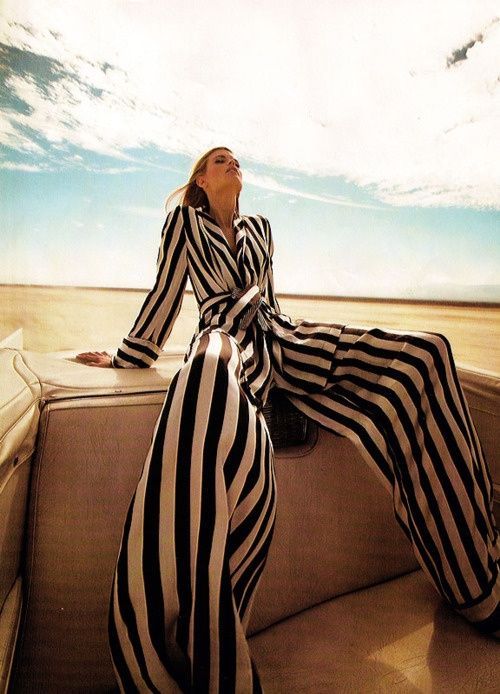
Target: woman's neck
(223,209)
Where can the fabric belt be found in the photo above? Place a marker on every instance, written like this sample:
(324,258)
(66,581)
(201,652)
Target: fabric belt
(240,307)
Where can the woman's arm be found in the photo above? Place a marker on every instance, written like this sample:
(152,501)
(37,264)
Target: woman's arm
(155,321)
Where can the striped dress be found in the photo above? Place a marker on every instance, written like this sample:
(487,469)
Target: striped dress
(200,522)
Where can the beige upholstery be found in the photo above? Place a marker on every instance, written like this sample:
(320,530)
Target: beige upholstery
(394,637)
(335,533)
(482,389)
(19,412)
(335,530)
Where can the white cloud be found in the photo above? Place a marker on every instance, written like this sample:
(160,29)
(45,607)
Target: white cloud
(363,90)
(270,183)
(143,211)
(113,170)
(29,168)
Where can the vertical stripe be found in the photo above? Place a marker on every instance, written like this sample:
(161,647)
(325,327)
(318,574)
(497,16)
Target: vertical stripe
(199,527)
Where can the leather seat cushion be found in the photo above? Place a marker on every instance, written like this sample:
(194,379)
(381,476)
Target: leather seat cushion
(394,637)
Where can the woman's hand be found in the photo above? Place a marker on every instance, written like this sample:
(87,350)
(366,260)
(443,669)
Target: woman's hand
(102,359)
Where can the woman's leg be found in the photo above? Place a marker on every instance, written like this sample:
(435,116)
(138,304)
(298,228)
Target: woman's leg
(196,535)
(397,396)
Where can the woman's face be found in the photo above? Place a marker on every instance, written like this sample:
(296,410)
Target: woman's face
(222,173)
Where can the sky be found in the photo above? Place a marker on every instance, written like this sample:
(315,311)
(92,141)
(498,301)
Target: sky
(368,132)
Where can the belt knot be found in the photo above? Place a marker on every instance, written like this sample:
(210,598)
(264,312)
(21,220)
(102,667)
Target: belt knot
(240,306)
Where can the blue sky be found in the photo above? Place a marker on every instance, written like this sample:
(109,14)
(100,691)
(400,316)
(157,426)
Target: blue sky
(367,137)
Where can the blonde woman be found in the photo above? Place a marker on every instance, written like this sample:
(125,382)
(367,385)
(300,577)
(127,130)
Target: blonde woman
(200,523)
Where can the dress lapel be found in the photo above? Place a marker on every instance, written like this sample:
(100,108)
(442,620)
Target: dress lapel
(241,242)
(216,237)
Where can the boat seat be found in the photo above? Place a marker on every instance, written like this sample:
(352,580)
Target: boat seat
(340,597)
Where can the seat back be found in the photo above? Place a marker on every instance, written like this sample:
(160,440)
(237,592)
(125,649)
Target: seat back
(335,530)
(19,413)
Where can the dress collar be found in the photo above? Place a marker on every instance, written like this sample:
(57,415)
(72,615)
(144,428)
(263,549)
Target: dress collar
(238,221)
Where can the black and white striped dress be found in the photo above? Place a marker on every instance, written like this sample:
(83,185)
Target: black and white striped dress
(200,523)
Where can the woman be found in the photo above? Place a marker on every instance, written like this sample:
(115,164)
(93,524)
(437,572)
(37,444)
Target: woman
(199,526)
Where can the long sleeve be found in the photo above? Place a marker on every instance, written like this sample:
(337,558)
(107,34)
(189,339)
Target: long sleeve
(153,325)
(269,285)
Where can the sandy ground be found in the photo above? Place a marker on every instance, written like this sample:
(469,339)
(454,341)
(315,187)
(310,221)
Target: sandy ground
(68,318)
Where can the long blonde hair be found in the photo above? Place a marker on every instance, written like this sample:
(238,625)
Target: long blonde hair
(191,193)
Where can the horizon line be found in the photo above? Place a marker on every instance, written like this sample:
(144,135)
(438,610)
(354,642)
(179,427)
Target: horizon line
(283,295)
